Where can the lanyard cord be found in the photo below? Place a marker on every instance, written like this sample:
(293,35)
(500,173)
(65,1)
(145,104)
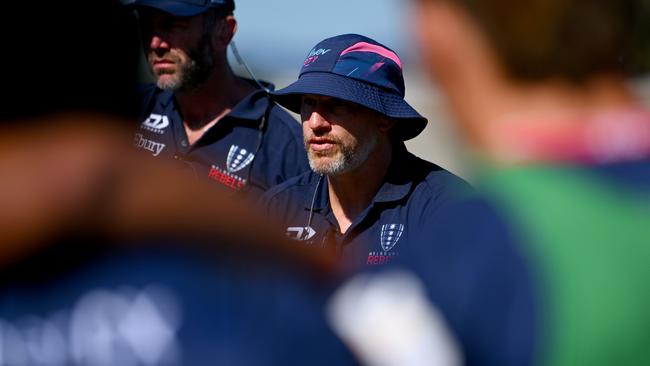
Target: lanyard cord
(260,137)
(313,201)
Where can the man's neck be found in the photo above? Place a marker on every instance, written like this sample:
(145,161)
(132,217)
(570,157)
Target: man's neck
(553,109)
(206,105)
(352,192)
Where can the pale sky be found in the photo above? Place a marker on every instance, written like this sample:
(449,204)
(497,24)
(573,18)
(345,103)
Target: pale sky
(278,34)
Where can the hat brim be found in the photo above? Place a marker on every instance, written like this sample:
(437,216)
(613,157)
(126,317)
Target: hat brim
(171,7)
(409,122)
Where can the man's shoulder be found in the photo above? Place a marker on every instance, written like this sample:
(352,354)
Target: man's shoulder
(439,181)
(281,119)
(150,92)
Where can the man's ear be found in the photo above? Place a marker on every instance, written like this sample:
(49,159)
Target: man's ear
(386,123)
(224,31)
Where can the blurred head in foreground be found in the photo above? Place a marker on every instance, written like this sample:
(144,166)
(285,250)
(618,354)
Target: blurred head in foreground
(68,56)
(551,61)
(540,89)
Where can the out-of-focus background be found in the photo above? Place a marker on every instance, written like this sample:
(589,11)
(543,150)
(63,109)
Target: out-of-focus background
(275,36)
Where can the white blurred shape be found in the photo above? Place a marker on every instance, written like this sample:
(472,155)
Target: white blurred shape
(149,332)
(45,343)
(387,320)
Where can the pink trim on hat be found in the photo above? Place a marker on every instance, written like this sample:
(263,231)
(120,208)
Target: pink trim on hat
(368,47)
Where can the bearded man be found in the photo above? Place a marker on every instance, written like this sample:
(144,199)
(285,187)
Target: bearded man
(367,198)
(223,127)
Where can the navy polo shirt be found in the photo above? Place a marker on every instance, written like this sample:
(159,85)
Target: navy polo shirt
(414,193)
(254,147)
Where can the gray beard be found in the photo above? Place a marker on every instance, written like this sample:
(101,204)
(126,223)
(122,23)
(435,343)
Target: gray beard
(349,159)
(194,74)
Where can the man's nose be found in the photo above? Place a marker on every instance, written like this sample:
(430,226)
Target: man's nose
(318,122)
(158,43)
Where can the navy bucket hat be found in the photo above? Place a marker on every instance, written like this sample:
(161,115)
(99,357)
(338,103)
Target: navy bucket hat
(185,8)
(360,70)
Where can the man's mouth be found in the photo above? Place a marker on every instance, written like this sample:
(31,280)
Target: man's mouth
(321,144)
(162,64)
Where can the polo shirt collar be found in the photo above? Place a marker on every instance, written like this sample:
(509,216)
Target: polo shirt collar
(399,178)
(252,107)
(316,191)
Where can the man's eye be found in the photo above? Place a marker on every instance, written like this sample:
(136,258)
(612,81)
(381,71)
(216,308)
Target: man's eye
(341,107)
(308,102)
(171,24)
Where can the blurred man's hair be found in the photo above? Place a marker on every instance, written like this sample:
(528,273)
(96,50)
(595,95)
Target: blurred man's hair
(572,39)
(66,56)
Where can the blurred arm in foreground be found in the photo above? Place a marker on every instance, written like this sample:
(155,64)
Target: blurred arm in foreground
(77,173)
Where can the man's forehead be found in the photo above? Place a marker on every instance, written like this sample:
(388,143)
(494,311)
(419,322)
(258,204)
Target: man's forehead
(152,13)
(327,102)
(327,99)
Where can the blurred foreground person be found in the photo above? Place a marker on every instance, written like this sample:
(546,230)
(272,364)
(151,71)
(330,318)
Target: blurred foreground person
(539,88)
(106,257)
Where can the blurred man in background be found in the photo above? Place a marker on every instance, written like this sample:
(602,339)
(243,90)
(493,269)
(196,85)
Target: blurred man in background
(199,112)
(539,88)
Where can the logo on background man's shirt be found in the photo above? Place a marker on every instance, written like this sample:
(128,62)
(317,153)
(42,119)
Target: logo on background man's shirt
(238,159)
(155,123)
(301,232)
(228,179)
(390,234)
(155,147)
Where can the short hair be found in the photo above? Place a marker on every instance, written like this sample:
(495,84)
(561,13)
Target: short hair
(572,39)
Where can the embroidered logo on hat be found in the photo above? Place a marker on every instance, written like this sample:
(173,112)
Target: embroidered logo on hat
(314,54)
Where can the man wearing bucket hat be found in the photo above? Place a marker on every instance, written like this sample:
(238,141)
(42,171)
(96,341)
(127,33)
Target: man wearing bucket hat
(367,195)
(221,126)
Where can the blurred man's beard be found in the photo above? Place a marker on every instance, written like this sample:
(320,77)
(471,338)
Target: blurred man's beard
(344,159)
(192,73)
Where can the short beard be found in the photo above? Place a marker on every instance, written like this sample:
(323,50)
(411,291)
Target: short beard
(195,73)
(350,158)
